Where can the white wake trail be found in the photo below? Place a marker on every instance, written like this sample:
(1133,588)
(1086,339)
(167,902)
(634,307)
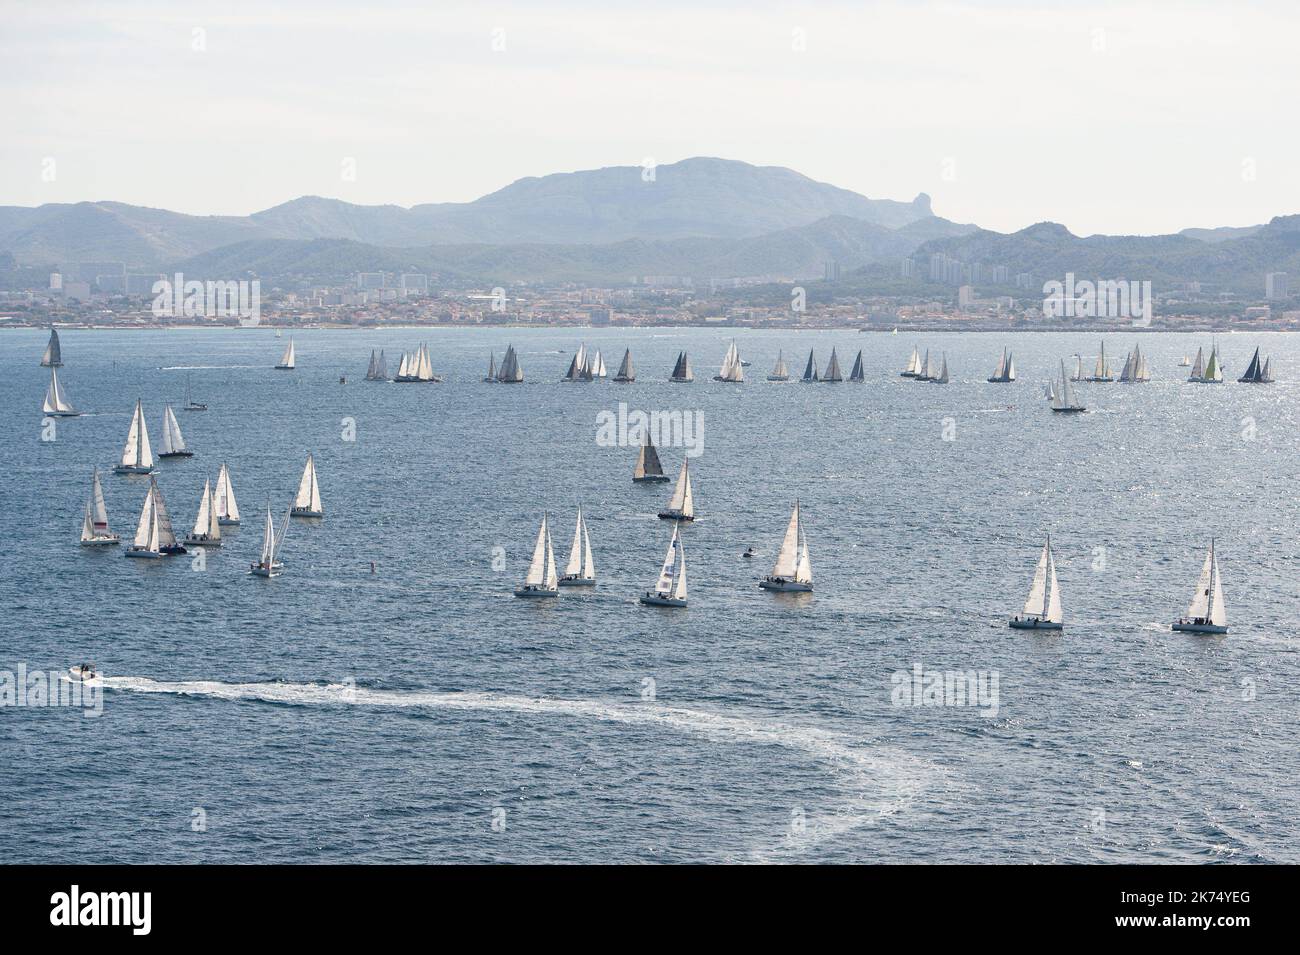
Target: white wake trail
(880,781)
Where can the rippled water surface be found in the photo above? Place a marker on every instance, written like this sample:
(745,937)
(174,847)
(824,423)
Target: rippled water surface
(421,713)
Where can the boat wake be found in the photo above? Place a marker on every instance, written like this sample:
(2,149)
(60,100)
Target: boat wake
(877,781)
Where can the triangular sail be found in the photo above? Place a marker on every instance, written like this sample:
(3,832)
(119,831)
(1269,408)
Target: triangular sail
(857,374)
(943,371)
(166,537)
(1198,367)
(308,496)
(206,522)
(172,441)
(625,372)
(137,453)
(53,356)
(577,365)
(833,372)
(536,576)
(588,565)
(511,371)
(810,369)
(787,558)
(1207,603)
(268,540)
(225,497)
(492,367)
(97,510)
(287,359)
(672,576)
(56,402)
(683,500)
(574,567)
(780,371)
(913,363)
(647,462)
(146,531)
(1213,370)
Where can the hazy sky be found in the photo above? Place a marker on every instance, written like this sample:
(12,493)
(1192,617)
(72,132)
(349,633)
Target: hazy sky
(1120,118)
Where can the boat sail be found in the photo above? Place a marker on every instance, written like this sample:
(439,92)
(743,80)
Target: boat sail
(682,369)
(53,357)
(306,502)
(173,442)
(378,369)
(1049,391)
(541,580)
(927,370)
(648,467)
(1256,371)
(670,588)
(913,364)
(625,370)
(492,369)
(833,372)
(287,359)
(1268,371)
(943,372)
(416,367)
(1102,370)
(1206,613)
(1006,370)
(267,565)
(1078,369)
(1043,608)
(1135,367)
(810,369)
(579,571)
(577,365)
(780,372)
(137,457)
(207,525)
(153,535)
(731,370)
(510,372)
(682,505)
(1064,400)
(56,402)
(224,499)
(1207,372)
(598,368)
(1198,367)
(792,570)
(1186,362)
(94,529)
(857,374)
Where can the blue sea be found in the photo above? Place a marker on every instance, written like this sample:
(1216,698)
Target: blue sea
(417,712)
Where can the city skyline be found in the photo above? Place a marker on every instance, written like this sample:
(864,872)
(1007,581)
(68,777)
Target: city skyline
(1105,119)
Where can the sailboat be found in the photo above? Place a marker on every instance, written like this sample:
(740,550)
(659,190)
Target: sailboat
(224,499)
(1078,369)
(670,588)
(833,373)
(1135,367)
(153,535)
(287,359)
(1207,613)
(1043,608)
(416,366)
(682,505)
(731,370)
(810,369)
(1206,372)
(913,364)
(943,372)
(541,580)
(579,571)
(510,373)
(207,525)
(927,370)
(792,570)
(1102,370)
(1049,391)
(648,467)
(137,457)
(578,365)
(1256,371)
(267,565)
(682,369)
(625,370)
(1185,363)
(491,376)
(173,442)
(1006,370)
(780,372)
(1064,399)
(190,403)
(56,402)
(857,374)
(94,529)
(598,368)
(53,357)
(306,502)
(378,367)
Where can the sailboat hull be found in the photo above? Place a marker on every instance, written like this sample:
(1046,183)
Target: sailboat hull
(131,469)
(110,540)
(177,454)
(1032,623)
(658,600)
(651,479)
(63,414)
(227,522)
(577,581)
(1069,410)
(785,586)
(192,541)
(141,552)
(622,380)
(674,516)
(778,377)
(284,367)
(536,592)
(1185,626)
(175,550)
(261,570)
(305,512)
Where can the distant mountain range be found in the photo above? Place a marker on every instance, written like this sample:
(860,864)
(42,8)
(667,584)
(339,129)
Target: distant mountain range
(704,218)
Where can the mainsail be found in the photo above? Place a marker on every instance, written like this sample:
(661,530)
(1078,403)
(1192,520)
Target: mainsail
(96,508)
(53,357)
(810,369)
(682,504)
(287,360)
(731,369)
(647,462)
(625,371)
(1256,371)
(913,364)
(943,372)
(1044,601)
(1198,367)
(1063,399)
(541,570)
(173,442)
(510,372)
(206,523)
(857,374)
(1006,370)
(780,372)
(307,500)
(833,372)
(682,369)
(226,508)
(1207,603)
(137,453)
(792,562)
(577,365)
(56,402)
(672,577)
(492,368)
(580,564)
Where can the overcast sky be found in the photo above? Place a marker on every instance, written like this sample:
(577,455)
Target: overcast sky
(1118,118)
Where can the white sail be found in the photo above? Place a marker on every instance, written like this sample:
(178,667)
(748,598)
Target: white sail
(166,536)
(287,360)
(780,371)
(1011,367)
(1063,399)
(225,505)
(1001,371)
(913,363)
(792,560)
(97,509)
(598,366)
(1208,600)
(146,531)
(731,369)
(425,370)
(87,526)
(577,365)
(672,576)
(1101,371)
(683,501)
(833,368)
(404,367)
(173,443)
(574,567)
(137,453)
(1198,367)
(803,570)
(1044,601)
(588,565)
(308,496)
(943,372)
(267,557)
(56,402)
(541,569)
(206,522)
